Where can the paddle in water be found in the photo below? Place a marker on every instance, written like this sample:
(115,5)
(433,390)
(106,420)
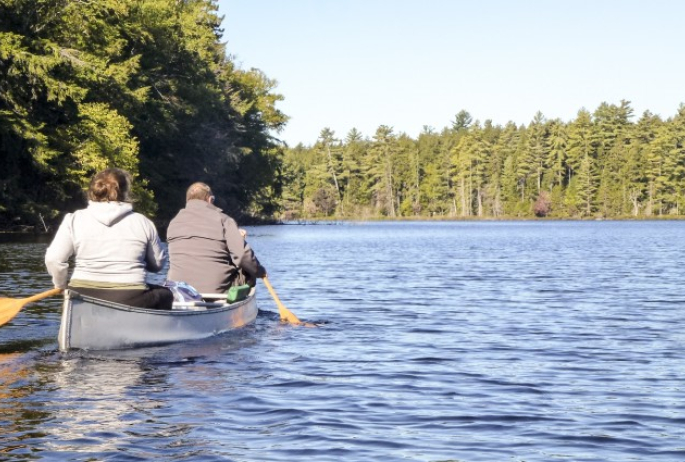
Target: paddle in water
(286,314)
(10,307)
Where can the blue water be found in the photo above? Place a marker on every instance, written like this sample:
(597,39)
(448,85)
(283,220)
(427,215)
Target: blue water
(450,341)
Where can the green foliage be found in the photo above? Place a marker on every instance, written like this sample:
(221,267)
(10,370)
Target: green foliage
(598,165)
(146,86)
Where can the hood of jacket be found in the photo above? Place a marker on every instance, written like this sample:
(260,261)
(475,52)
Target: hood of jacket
(108,213)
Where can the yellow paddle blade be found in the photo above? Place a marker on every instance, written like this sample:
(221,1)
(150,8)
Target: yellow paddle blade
(286,314)
(10,307)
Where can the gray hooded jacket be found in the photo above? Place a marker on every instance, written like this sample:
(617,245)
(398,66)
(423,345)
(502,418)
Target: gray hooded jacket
(110,243)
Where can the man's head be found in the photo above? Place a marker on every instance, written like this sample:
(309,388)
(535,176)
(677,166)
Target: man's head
(199,191)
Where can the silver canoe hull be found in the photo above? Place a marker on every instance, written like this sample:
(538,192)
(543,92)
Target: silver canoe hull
(93,324)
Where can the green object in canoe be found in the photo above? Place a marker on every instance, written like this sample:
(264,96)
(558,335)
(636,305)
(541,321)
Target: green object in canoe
(237,293)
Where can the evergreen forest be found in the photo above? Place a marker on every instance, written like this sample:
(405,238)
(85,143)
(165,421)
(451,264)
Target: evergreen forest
(144,85)
(149,86)
(599,165)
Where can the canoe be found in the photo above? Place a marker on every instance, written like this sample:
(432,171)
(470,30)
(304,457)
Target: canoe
(93,324)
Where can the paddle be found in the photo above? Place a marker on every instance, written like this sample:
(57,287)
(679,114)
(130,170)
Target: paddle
(9,307)
(286,314)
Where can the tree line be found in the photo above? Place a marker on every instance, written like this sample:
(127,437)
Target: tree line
(598,165)
(145,85)
(148,85)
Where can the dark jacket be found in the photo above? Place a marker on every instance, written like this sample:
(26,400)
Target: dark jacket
(206,249)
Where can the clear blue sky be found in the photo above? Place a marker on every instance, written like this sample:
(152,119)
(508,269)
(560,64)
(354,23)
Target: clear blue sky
(413,63)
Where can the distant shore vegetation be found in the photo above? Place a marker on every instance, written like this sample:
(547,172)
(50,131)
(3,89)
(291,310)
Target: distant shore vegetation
(601,165)
(150,87)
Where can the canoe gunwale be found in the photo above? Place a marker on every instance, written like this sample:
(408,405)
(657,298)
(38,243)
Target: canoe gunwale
(211,307)
(95,324)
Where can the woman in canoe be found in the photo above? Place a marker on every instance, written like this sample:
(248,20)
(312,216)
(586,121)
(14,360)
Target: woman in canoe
(113,247)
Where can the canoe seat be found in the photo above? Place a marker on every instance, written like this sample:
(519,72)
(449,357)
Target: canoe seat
(218,296)
(196,305)
(234,294)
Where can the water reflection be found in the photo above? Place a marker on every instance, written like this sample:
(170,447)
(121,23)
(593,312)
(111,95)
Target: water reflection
(21,415)
(11,371)
(448,341)
(94,403)
(23,270)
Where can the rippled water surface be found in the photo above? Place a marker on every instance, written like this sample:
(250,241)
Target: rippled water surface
(496,341)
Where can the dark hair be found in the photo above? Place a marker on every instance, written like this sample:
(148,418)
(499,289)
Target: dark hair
(110,185)
(198,191)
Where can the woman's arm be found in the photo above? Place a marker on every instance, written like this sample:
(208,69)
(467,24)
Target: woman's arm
(58,253)
(155,256)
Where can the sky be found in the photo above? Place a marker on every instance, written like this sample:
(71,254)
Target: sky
(414,64)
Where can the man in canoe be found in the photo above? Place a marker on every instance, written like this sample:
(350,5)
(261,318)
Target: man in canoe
(113,247)
(207,249)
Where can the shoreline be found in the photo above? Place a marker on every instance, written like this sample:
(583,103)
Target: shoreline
(161,225)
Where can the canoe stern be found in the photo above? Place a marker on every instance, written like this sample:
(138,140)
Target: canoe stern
(94,324)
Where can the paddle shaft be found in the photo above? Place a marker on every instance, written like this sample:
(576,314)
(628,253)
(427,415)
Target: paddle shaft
(286,314)
(42,295)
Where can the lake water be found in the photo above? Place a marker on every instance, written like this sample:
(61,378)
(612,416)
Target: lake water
(450,341)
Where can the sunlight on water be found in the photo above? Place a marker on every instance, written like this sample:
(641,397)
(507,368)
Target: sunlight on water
(463,341)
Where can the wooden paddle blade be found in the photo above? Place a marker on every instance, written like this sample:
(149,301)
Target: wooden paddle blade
(10,307)
(286,314)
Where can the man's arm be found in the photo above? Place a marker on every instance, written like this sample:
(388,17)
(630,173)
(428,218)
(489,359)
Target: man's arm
(241,253)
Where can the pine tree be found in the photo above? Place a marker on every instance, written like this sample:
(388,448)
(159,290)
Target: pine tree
(381,171)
